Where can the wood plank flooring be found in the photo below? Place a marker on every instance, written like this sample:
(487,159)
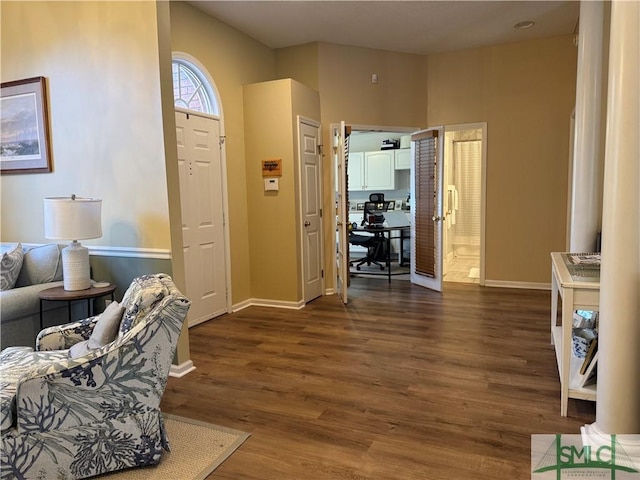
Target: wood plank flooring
(403,383)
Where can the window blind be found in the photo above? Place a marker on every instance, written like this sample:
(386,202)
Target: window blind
(425,204)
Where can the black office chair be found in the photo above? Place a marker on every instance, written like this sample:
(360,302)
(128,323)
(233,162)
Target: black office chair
(376,244)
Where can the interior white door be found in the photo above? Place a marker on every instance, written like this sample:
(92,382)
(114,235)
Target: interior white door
(199,164)
(311,193)
(340,147)
(427,147)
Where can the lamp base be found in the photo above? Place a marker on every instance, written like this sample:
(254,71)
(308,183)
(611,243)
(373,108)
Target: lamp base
(76,271)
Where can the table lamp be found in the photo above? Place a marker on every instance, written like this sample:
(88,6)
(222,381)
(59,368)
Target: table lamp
(73,218)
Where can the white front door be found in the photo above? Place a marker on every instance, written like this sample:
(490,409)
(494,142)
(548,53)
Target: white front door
(311,193)
(199,164)
(427,213)
(340,148)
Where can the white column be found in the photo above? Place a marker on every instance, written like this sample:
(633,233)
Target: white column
(618,403)
(586,190)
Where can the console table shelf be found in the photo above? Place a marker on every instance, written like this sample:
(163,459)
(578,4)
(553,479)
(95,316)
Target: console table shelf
(577,293)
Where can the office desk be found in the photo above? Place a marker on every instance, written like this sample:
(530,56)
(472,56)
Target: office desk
(388,234)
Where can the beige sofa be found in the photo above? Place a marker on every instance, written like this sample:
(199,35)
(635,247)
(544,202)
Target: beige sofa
(20,306)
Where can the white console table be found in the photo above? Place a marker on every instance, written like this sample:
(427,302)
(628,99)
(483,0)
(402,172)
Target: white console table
(577,293)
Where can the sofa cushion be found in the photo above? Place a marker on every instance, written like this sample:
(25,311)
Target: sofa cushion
(10,266)
(41,264)
(104,331)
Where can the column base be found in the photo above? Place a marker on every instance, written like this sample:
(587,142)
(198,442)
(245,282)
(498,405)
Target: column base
(626,445)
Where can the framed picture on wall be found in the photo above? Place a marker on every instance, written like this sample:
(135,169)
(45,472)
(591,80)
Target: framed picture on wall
(24,128)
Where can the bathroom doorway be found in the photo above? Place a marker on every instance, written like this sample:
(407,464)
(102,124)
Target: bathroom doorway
(463,232)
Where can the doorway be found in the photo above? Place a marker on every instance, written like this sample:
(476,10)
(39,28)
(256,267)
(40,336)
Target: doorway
(463,203)
(468,246)
(203,192)
(311,207)
(203,239)
(350,162)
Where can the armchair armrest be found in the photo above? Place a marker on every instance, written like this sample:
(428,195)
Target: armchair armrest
(62,337)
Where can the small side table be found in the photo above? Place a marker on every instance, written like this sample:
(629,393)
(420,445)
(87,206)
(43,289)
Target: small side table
(59,294)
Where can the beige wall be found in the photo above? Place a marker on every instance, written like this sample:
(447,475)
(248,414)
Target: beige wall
(299,62)
(346,93)
(101,63)
(271,110)
(232,59)
(526,93)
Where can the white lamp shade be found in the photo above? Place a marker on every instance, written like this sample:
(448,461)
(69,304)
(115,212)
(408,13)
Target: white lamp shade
(72,218)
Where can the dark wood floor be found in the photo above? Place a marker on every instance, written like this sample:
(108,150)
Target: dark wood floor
(403,383)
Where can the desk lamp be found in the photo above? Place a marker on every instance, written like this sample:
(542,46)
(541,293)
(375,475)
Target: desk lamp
(73,218)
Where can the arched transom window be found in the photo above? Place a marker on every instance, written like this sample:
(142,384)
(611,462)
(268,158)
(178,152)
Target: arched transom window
(191,90)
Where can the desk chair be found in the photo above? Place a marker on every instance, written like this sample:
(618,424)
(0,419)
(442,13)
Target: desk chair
(376,244)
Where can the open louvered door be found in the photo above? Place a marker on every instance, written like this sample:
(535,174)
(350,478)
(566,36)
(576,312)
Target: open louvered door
(340,138)
(427,148)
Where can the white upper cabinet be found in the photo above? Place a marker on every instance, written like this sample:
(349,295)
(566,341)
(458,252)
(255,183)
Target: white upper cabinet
(372,171)
(355,170)
(403,159)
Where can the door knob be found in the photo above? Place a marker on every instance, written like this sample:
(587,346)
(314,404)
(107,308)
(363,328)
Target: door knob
(307,223)
(435,219)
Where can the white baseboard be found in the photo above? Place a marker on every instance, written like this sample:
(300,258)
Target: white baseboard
(241,306)
(265,302)
(526,285)
(262,302)
(182,369)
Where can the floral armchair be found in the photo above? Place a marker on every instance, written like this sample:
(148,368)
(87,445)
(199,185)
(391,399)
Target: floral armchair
(70,418)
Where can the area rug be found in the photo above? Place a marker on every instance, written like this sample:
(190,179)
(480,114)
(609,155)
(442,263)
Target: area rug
(197,448)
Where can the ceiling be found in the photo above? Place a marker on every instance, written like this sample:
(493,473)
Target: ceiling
(423,27)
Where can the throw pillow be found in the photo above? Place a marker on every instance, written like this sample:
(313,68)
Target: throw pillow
(10,266)
(40,265)
(104,331)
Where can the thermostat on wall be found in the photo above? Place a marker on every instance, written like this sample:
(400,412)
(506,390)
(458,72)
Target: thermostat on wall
(271,184)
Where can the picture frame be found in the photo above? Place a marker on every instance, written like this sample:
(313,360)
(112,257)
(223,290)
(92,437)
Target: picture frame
(24,131)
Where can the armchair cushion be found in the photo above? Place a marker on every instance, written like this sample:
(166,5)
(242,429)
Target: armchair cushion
(10,267)
(105,331)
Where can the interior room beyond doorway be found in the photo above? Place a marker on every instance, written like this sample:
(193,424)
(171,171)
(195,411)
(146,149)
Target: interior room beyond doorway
(462,205)
(379,163)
